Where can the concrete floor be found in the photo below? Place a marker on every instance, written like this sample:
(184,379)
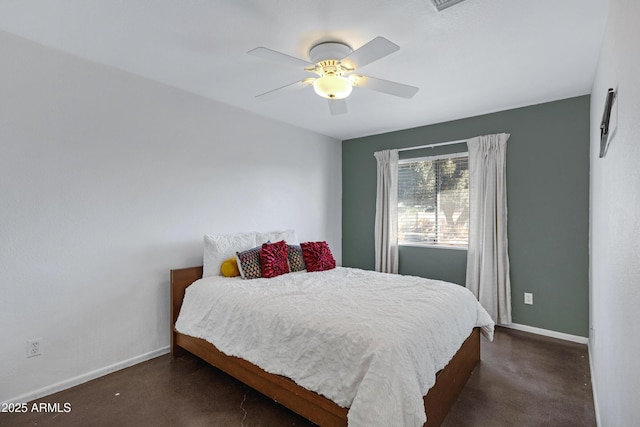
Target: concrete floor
(522,380)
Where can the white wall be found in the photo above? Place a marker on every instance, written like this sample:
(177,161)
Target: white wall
(107,181)
(615,224)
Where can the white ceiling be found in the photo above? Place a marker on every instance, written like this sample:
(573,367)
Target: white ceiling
(476,57)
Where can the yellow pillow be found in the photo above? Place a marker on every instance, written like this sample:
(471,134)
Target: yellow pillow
(229,268)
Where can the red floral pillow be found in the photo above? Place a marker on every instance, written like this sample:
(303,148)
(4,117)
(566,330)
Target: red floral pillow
(317,256)
(274,259)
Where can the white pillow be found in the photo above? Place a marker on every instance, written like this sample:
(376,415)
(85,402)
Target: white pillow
(288,236)
(217,249)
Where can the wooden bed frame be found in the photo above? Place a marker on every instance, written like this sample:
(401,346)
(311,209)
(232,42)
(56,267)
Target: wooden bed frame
(316,408)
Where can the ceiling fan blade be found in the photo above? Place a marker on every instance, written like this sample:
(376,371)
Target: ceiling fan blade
(272,94)
(386,86)
(272,55)
(372,51)
(337,106)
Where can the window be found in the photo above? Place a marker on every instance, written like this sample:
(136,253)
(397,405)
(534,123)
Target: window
(433,200)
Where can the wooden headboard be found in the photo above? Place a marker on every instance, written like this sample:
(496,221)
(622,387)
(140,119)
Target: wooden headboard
(180,280)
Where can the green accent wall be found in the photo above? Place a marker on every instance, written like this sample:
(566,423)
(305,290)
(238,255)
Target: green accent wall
(548,205)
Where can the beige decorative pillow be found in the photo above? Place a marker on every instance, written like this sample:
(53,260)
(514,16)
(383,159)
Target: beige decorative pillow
(218,248)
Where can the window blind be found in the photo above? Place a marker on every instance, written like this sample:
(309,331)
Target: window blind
(433,200)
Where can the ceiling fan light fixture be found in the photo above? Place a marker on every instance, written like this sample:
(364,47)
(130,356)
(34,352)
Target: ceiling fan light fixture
(333,87)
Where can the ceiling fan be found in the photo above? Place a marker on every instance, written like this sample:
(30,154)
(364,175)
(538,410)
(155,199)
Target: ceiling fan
(335,64)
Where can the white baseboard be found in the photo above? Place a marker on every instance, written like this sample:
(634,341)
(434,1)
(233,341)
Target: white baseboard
(71,382)
(548,333)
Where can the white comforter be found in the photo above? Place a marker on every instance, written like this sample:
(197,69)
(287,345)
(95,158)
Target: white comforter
(369,341)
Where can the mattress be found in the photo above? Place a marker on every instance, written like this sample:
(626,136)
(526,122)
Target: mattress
(371,342)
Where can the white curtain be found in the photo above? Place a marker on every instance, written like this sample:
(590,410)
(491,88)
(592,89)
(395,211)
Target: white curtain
(487,257)
(386,225)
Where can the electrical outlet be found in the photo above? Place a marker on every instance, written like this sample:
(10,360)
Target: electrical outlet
(528,298)
(33,347)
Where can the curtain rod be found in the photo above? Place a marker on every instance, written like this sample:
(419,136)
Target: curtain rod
(460,141)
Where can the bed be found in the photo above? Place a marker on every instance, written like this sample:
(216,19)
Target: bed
(317,407)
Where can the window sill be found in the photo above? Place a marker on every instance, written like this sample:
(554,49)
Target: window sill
(430,246)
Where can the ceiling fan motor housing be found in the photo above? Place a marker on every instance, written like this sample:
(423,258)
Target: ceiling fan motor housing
(329,50)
